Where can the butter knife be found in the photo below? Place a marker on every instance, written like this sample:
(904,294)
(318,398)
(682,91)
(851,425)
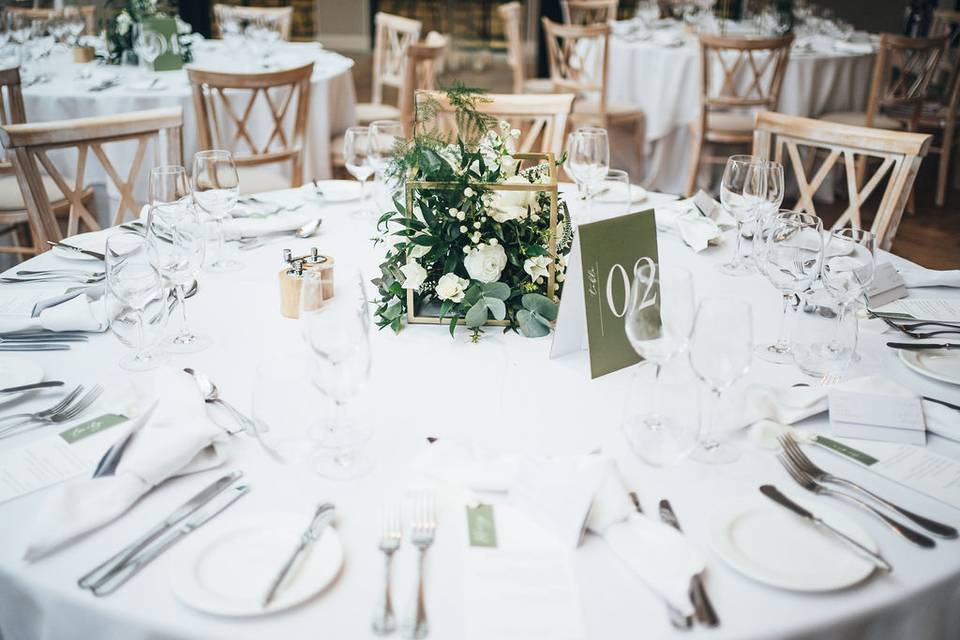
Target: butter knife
(321,518)
(86,252)
(99,574)
(130,568)
(703,608)
(774,494)
(919,346)
(30,387)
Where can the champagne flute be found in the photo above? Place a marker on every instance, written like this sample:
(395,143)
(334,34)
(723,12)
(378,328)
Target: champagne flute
(134,279)
(742,193)
(356,157)
(588,156)
(216,188)
(720,352)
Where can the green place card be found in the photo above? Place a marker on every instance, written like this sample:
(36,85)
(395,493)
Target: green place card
(481,526)
(171,59)
(90,427)
(609,251)
(849,452)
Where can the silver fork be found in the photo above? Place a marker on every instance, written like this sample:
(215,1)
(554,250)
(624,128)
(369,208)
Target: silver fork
(72,410)
(796,455)
(39,415)
(808,483)
(423,528)
(391,532)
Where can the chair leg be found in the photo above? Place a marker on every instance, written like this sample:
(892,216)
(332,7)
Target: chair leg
(946,148)
(695,151)
(639,147)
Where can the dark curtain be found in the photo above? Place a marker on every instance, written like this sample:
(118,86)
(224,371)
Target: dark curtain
(196,13)
(550,9)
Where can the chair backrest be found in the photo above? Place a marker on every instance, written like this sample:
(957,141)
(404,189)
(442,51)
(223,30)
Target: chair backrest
(902,73)
(947,23)
(578,58)
(784,138)
(88,13)
(420,73)
(281,16)
(224,102)
(587,12)
(393,35)
(510,16)
(737,72)
(541,118)
(30,143)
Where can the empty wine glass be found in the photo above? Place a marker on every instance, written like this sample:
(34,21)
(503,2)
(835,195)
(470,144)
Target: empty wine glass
(824,347)
(769,207)
(615,193)
(588,159)
(335,322)
(384,135)
(791,259)
(356,157)
(149,45)
(216,188)
(743,193)
(720,352)
(134,279)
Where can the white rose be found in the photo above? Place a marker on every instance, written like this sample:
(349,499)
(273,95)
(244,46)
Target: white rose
(536,267)
(413,274)
(418,251)
(510,205)
(451,287)
(486,262)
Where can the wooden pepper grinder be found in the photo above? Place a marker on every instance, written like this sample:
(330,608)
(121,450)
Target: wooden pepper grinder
(291,280)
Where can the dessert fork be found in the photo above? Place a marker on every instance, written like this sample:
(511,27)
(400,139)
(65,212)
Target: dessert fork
(422,531)
(391,532)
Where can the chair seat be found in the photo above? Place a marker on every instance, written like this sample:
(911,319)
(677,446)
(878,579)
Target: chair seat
(589,111)
(730,121)
(12,200)
(538,85)
(367,112)
(859,119)
(257,180)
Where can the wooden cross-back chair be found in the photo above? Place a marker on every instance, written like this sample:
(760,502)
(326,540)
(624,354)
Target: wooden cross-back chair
(511,15)
(393,34)
(587,12)
(541,119)
(785,138)
(281,16)
(29,144)
(221,125)
(88,14)
(738,76)
(420,73)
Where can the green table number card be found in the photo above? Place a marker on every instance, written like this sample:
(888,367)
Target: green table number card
(597,290)
(170,60)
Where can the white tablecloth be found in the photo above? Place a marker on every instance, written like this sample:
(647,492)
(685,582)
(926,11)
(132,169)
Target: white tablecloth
(521,401)
(664,81)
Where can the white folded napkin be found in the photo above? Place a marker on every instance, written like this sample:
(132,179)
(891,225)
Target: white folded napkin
(177,438)
(668,38)
(917,276)
(853,47)
(86,312)
(694,228)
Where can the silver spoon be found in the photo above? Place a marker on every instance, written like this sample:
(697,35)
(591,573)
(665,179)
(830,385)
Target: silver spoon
(306,231)
(212,394)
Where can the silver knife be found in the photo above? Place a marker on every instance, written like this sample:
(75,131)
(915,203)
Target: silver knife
(703,608)
(321,518)
(35,346)
(35,385)
(917,346)
(86,252)
(774,494)
(134,565)
(100,573)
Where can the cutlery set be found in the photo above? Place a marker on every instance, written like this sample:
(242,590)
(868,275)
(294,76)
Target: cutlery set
(78,276)
(321,520)
(909,329)
(72,405)
(40,340)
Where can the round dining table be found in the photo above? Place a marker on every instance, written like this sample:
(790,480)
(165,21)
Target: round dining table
(505,394)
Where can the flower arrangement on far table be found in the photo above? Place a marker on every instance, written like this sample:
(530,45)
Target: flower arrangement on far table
(120,16)
(481,238)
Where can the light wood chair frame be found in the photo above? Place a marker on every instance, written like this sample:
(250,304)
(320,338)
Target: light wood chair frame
(902,73)
(764,60)
(588,12)
(88,14)
(420,73)
(283,15)
(212,92)
(510,17)
(30,143)
(941,115)
(782,138)
(393,36)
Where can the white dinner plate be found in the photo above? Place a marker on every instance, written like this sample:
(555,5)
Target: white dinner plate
(338,190)
(939,364)
(226,570)
(91,241)
(772,545)
(614,193)
(15,372)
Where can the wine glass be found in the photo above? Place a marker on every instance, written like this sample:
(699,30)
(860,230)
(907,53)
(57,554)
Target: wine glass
(356,157)
(216,188)
(588,158)
(134,280)
(149,45)
(720,352)
(658,324)
(335,323)
(743,191)
(823,347)
(849,265)
(769,207)
(791,259)
(615,193)
(384,135)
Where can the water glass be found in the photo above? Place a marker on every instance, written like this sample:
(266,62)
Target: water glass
(824,347)
(149,45)
(216,189)
(384,137)
(134,280)
(743,193)
(356,158)
(588,160)
(615,192)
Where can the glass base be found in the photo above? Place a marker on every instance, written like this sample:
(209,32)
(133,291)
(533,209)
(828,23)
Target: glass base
(716,453)
(189,343)
(223,266)
(655,440)
(143,361)
(774,353)
(737,268)
(342,465)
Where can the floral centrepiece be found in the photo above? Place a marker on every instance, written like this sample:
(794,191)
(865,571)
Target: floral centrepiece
(121,15)
(482,236)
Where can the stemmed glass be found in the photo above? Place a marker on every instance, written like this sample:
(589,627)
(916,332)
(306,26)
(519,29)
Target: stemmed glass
(588,160)
(769,207)
(216,188)
(849,264)
(135,281)
(790,259)
(743,193)
(335,324)
(356,157)
(384,135)
(149,45)
(720,352)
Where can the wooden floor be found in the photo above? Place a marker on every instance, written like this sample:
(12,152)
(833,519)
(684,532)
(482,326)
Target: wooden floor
(930,237)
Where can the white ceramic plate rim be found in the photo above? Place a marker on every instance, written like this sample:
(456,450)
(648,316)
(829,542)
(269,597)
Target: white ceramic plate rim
(911,359)
(33,374)
(342,184)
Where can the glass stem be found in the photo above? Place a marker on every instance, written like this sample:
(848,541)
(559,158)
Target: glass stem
(181,300)
(736,256)
(221,240)
(141,340)
(838,327)
(782,345)
(589,205)
(708,438)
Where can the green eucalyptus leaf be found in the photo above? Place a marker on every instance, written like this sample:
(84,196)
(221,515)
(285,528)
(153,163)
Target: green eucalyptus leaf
(477,315)
(531,324)
(445,308)
(496,307)
(499,290)
(425,241)
(453,324)
(471,296)
(450,263)
(540,304)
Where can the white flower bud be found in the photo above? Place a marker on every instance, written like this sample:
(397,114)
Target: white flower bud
(476,225)
(463,229)
(461,215)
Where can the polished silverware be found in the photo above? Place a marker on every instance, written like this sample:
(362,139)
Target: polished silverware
(774,494)
(308,230)
(703,608)
(101,572)
(920,346)
(86,252)
(35,385)
(910,326)
(321,519)
(107,466)
(62,272)
(67,409)
(804,480)
(53,278)
(46,338)
(35,346)
(130,568)
(391,532)
(212,394)
(423,528)
(943,402)
(916,334)
(796,455)
(40,333)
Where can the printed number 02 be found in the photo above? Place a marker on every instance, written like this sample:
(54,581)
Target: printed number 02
(647,300)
